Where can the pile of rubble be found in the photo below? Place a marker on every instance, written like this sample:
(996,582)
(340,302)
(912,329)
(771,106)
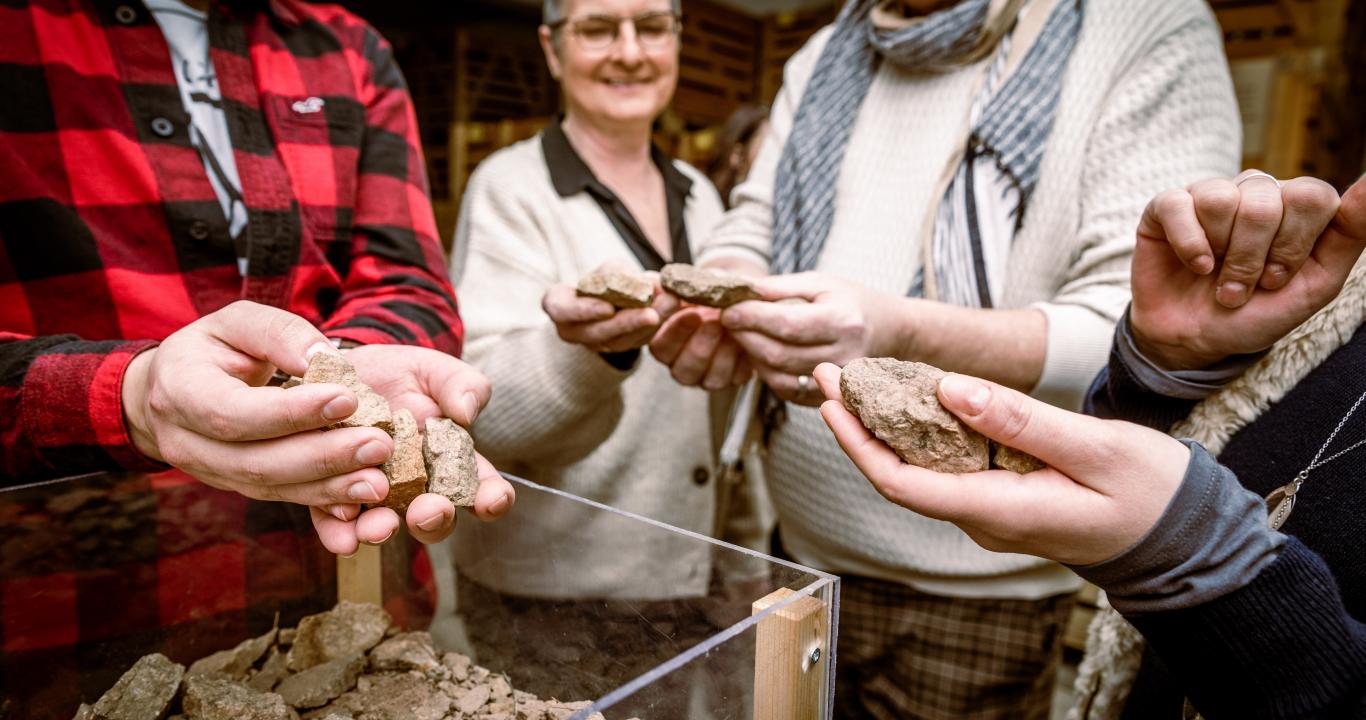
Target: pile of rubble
(348,663)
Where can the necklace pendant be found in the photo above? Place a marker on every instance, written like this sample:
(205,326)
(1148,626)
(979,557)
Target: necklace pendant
(1281,501)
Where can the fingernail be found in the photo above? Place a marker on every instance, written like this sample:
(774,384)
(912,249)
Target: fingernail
(347,557)
(383,540)
(318,347)
(339,408)
(363,492)
(433,523)
(372,453)
(470,403)
(1203,264)
(500,506)
(964,393)
(1276,272)
(1231,293)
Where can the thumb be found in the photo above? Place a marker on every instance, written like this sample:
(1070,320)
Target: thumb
(805,286)
(1066,441)
(1341,244)
(267,333)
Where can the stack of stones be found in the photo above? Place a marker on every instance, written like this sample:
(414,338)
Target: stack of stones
(345,664)
(441,460)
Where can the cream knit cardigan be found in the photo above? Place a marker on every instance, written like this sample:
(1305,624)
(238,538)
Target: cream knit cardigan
(562,416)
(1146,105)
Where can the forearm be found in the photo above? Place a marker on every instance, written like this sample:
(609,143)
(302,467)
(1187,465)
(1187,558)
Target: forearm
(63,414)
(1282,646)
(1005,346)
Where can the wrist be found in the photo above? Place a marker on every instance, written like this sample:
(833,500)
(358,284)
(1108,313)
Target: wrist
(1171,357)
(133,398)
(907,335)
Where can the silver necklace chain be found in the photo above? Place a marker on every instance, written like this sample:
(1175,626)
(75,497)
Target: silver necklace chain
(1316,463)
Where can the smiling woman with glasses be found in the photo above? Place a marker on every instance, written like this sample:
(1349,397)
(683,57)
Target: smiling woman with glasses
(654,30)
(579,407)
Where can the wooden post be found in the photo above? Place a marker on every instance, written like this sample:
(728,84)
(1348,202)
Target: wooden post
(359,577)
(790,658)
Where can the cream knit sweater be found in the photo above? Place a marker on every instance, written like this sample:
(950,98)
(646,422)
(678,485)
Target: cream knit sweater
(1146,105)
(561,415)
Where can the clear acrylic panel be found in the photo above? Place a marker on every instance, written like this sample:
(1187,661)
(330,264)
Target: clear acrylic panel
(99,570)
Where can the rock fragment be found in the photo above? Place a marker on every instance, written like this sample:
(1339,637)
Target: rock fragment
(1008,458)
(398,696)
(898,401)
(622,290)
(321,684)
(235,662)
(272,671)
(712,288)
(343,631)
(403,652)
(372,409)
(406,470)
(144,692)
(214,697)
(451,468)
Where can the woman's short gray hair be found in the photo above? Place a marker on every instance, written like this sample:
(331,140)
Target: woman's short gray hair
(552,11)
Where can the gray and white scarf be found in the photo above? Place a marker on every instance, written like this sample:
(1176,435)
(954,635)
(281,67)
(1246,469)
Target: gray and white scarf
(1010,131)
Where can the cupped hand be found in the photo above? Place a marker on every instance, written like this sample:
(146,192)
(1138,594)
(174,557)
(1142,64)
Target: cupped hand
(1107,482)
(809,318)
(1281,254)
(698,351)
(600,327)
(198,402)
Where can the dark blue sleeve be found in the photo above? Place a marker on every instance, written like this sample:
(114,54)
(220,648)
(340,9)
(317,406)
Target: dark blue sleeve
(1282,646)
(1116,394)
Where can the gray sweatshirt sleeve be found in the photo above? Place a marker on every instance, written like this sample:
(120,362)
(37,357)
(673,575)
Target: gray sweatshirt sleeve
(1212,539)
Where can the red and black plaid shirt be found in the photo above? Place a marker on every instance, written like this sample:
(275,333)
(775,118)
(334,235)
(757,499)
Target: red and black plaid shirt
(111,236)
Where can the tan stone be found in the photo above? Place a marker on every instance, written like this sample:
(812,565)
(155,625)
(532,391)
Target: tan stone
(712,288)
(1008,458)
(898,401)
(235,662)
(144,692)
(372,409)
(622,290)
(345,630)
(451,468)
(406,470)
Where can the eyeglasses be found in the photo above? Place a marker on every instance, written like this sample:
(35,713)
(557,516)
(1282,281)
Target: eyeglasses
(654,30)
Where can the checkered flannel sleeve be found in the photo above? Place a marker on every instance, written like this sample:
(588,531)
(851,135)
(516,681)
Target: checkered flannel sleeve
(396,288)
(60,408)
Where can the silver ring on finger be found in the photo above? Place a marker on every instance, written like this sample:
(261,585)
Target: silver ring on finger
(803,386)
(1258,174)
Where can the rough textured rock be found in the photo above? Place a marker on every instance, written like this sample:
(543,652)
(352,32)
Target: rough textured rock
(403,652)
(272,671)
(706,287)
(345,630)
(451,469)
(1008,458)
(398,696)
(898,401)
(214,697)
(372,409)
(144,692)
(321,684)
(235,662)
(623,290)
(459,665)
(406,470)
(471,699)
